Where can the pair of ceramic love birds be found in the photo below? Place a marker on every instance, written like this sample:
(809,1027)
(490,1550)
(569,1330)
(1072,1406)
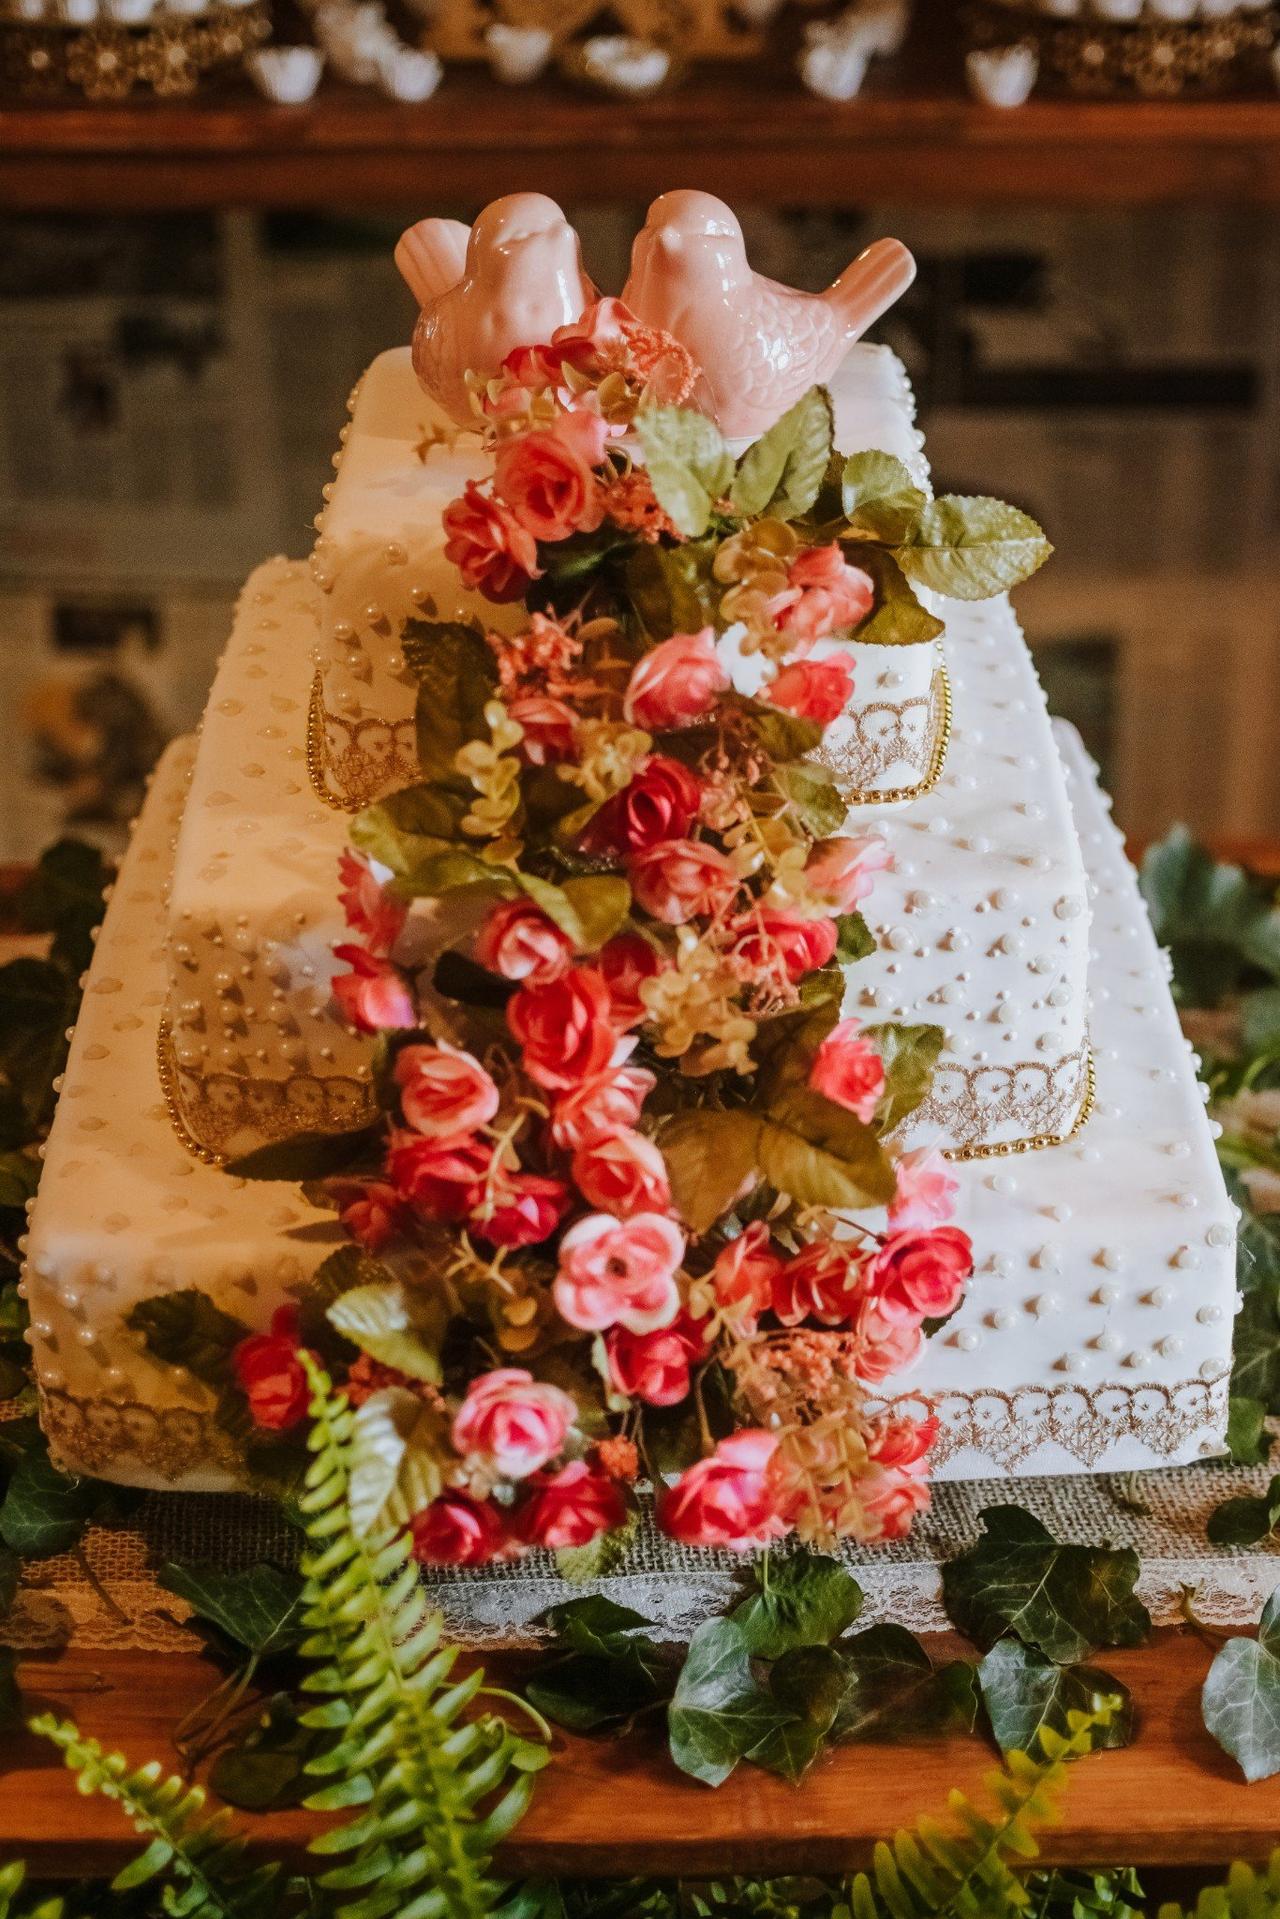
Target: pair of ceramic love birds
(517,275)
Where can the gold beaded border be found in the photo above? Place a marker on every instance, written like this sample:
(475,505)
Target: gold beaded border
(315,752)
(1009,1148)
(166,1067)
(891,795)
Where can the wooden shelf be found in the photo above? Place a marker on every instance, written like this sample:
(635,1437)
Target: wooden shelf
(914,136)
(616,1807)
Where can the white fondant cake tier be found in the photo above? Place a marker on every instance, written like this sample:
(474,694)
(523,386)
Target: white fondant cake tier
(258,1049)
(379,560)
(1096,1333)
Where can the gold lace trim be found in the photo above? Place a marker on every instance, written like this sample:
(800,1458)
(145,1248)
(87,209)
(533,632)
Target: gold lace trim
(92,1434)
(351,763)
(887,732)
(1007,1429)
(968,1101)
(208,1110)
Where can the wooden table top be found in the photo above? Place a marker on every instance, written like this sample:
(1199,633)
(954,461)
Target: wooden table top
(617,1807)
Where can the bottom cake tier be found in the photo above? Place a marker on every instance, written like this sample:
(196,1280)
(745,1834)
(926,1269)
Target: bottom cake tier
(1096,1334)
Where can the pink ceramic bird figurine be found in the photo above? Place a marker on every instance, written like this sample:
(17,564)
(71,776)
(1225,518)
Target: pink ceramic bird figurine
(431,256)
(760,344)
(521,278)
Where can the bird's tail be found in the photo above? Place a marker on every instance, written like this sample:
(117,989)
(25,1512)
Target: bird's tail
(431,256)
(870,286)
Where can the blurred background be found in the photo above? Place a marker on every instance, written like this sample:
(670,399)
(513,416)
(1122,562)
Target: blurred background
(187,294)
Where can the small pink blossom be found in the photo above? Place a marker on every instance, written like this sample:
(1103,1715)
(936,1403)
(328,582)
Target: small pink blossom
(842,871)
(370,908)
(512,1423)
(494,553)
(729,1499)
(919,1276)
(676,682)
(608,1103)
(681,880)
(848,1070)
(745,1273)
(655,1367)
(926,1192)
(620,1273)
(623,1175)
(455,1530)
(520,941)
(548,728)
(817,690)
(570,1508)
(823,595)
(444,1092)
(901,1443)
(521,1209)
(883,1346)
(373,995)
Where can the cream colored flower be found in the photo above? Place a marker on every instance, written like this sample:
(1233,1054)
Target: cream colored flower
(609,753)
(494,772)
(695,1009)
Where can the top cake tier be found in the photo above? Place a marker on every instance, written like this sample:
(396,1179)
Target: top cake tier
(379,560)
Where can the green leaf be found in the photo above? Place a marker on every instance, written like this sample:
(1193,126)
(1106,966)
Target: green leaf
(450,870)
(459,977)
(689,465)
(259,1607)
(910,1055)
(781,473)
(403,830)
(880,499)
(897,619)
(1023,1691)
(805,1599)
(783,736)
(1248,1440)
(601,1556)
(265,1769)
(611,1672)
(895,1691)
(601,903)
(710,1156)
(457,675)
(1241,1697)
(718,1711)
(856,941)
(672,589)
(45,1511)
(398,1445)
(308,1155)
(394,1325)
(972,548)
(1244,1521)
(63,896)
(808,1686)
(811,789)
(1219,927)
(1063,1599)
(823,1155)
(186,1329)
(596,1624)
(37,1004)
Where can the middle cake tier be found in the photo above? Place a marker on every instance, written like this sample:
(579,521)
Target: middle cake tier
(984,922)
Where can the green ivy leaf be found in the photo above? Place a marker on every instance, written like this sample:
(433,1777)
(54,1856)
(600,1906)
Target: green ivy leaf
(972,548)
(805,1599)
(897,619)
(895,1690)
(718,1712)
(1244,1521)
(258,1608)
(1023,1691)
(1219,927)
(308,1156)
(879,498)
(19,1177)
(398,1445)
(63,896)
(910,1055)
(672,589)
(1241,1697)
(689,465)
(781,473)
(603,1555)
(394,1325)
(1248,1440)
(1063,1599)
(610,1671)
(45,1511)
(265,1769)
(709,1156)
(856,940)
(405,829)
(807,1686)
(37,1004)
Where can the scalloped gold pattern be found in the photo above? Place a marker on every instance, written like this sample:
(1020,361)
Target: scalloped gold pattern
(208,1110)
(888,732)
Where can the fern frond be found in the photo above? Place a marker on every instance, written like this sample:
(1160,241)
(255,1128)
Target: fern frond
(202,1860)
(962,1872)
(1246,1894)
(12,1879)
(431,1792)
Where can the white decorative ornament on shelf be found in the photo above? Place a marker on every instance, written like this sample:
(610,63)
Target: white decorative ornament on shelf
(624,64)
(517,54)
(1002,76)
(288,76)
(128,13)
(832,65)
(409,73)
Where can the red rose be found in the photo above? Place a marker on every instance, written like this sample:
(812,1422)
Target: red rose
(659,803)
(373,996)
(626,962)
(443,1178)
(676,682)
(680,880)
(457,1531)
(890,1502)
(729,1499)
(546,477)
(520,941)
(271,1374)
(770,938)
(848,1070)
(565,1030)
(495,555)
(570,1508)
(813,689)
(622,1174)
(609,1103)
(919,1276)
(745,1273)
(901,1443)
(371,1210)
(548,728)
(524,1209)
(368,907)
(825,1282)
(655,1367)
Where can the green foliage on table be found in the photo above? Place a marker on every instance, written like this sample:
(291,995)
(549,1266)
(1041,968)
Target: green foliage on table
(1064,1599)
(1241,1696)
(1222,927)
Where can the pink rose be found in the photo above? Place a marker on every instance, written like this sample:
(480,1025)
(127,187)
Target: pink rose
(520,941)
(884,1346)
(728,1499)
(457,1531)
(622,1175)
(546,476)
(570,1508)
(371,1210)
(843,870)
(823,595)
(620,1273)
(370,909)
(745,1273)
(444,1092)
(627,961)
(521,1209)
(609,1103)
(512,1423)
(659,803)
(890,1502)
(495,555)
(443,1178)
(682,880)
(655,1367)
(770,939)
(565,1030)
(676,682)
(848,1070)
(901,1443)
(269,1369)
(817,690)
(548,728)
(373,995)
(919,1276)
(926,1192)
(824,1282)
